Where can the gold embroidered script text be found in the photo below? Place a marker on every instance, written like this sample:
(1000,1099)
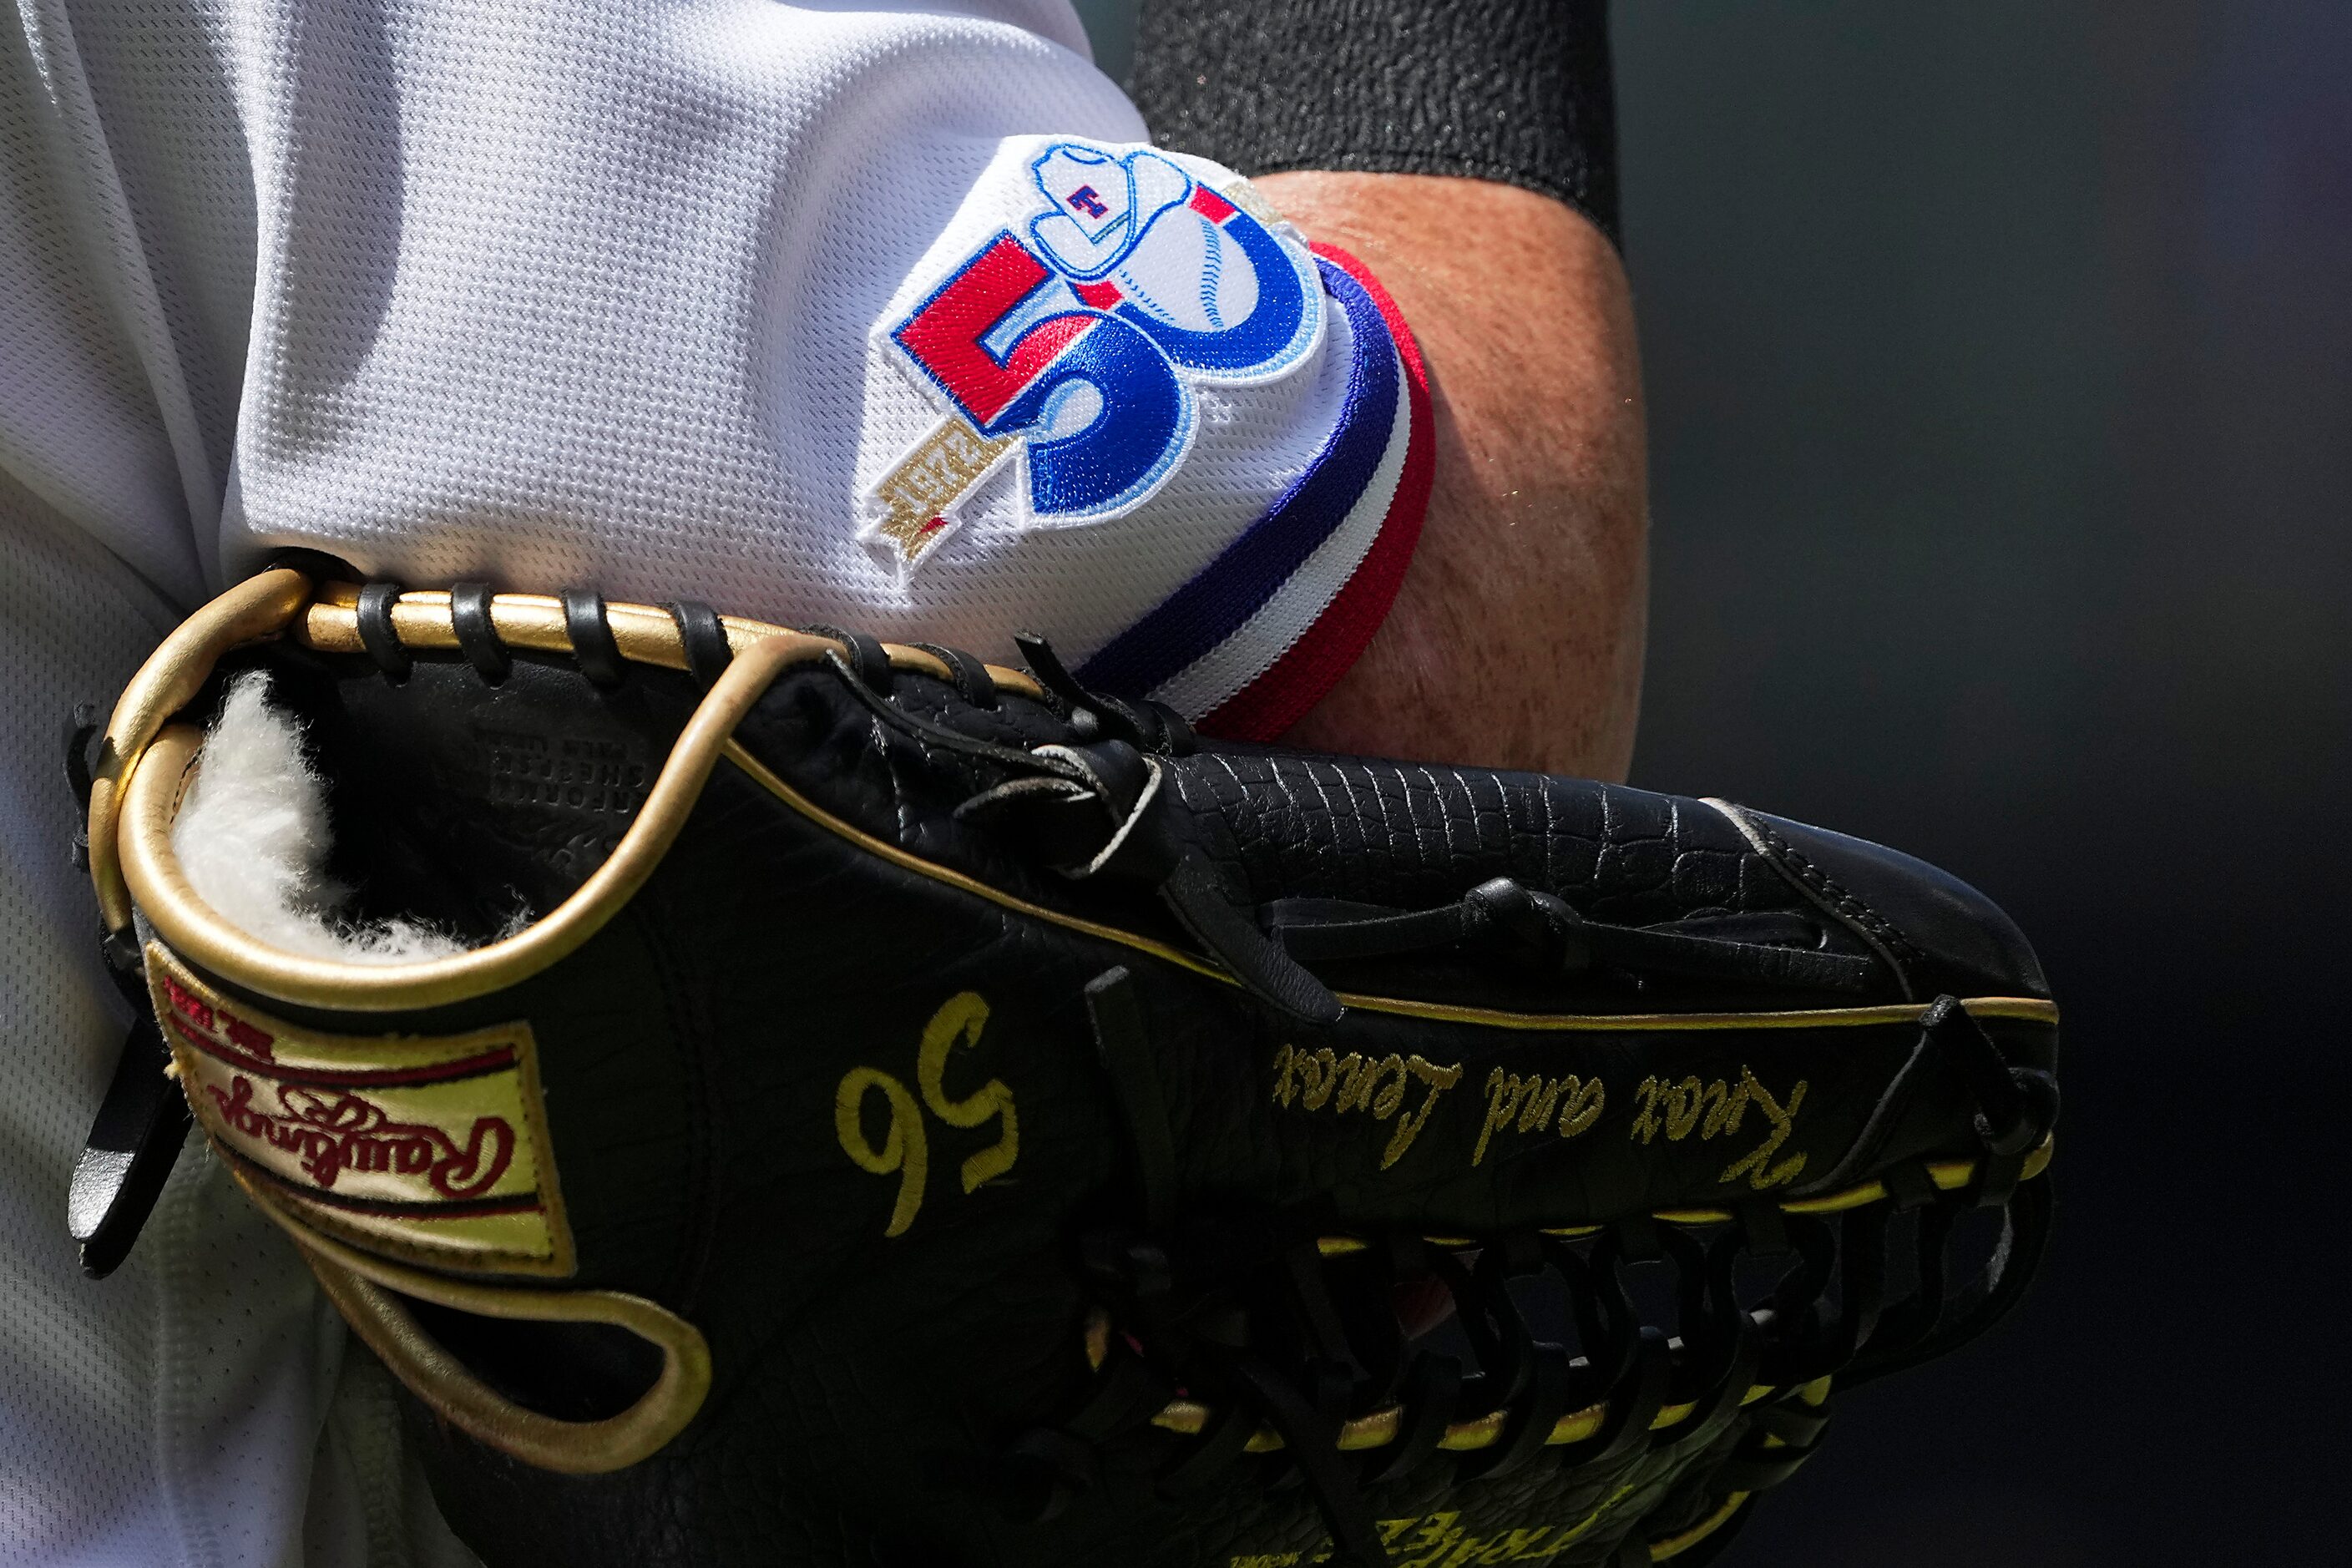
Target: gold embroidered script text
(1567,1106)
(1528,1102)
(1679,1108)
(1317,1079)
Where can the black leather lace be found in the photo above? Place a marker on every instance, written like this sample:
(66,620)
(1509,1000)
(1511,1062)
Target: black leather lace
(1092,806)
(1250,1316)
(142,1120)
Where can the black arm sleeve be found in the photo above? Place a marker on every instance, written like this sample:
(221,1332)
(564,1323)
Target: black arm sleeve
(1512,90)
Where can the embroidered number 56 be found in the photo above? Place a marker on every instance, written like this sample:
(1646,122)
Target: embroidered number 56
(905,1149)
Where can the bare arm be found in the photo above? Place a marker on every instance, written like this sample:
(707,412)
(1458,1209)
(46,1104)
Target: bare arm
(1517,636)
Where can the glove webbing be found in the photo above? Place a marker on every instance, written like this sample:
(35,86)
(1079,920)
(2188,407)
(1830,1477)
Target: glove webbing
(1289,1359)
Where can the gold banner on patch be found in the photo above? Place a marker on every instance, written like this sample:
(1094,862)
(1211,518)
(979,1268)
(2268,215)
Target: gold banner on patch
(942,469)
(428,1148)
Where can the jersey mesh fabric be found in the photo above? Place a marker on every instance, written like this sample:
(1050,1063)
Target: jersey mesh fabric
(590,297)
(548,294)
(171,1413)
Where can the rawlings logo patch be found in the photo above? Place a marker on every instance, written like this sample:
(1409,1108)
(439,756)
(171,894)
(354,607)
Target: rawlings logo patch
(429,1148)
(1074,348)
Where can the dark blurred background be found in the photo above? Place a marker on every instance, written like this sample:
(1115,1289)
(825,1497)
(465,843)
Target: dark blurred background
(2000,362)
(1999,368)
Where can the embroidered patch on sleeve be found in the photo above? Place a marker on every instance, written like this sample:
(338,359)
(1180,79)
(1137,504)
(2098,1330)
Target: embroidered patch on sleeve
(1257,636)
(1075,343)
(432,1149)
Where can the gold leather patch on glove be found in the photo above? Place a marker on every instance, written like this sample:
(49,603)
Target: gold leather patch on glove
(428,1148)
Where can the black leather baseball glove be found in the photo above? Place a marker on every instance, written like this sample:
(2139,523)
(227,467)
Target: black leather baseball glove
(774,1097)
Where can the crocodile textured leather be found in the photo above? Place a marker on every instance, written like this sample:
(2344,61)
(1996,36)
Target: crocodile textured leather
(923,1365)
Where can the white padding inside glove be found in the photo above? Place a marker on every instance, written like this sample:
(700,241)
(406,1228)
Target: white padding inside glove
(254,837)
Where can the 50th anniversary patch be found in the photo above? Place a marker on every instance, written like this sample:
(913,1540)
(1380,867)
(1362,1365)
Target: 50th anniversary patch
(1073,347)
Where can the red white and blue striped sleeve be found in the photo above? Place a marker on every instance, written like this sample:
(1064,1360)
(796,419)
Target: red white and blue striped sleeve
(1264,629)
(1125,401)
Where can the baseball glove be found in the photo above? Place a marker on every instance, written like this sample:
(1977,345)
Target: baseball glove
(774,1096)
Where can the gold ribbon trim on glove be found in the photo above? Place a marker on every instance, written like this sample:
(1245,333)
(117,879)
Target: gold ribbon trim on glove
(368,1291)
(142,766)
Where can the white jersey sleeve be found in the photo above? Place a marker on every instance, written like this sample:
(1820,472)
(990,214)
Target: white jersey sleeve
(888,319)
(862,318)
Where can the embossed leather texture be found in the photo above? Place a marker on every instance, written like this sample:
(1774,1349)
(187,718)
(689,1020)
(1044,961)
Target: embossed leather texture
(1072,1140)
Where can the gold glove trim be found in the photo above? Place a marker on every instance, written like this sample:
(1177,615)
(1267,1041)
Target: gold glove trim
(361,1287)
(645,633)
(193,928)
(167,682)
(132,860)
(1673,1546)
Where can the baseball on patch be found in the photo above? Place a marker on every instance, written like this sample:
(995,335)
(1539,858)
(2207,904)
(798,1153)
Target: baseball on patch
(1190,273)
